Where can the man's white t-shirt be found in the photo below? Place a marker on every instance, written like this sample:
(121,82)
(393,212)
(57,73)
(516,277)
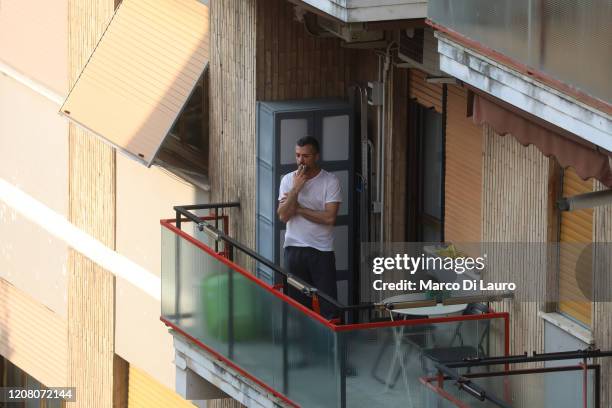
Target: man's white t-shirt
(322,189)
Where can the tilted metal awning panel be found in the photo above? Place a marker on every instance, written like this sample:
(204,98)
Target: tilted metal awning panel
(141,74)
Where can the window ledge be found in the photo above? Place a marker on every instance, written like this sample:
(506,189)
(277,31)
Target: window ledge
(564,323)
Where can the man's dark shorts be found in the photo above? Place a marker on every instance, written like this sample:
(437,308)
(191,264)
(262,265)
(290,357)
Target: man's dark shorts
(317,268)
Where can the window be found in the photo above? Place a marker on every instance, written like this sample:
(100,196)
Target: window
(145,79)
(429,183)
(185,149)
(14,377)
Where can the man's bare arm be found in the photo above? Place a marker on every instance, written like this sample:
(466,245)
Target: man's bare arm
(288,206)
(327,217)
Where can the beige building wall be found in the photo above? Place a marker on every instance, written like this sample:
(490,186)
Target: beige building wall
(144,196)
(35,159)
(34,148)
(34,40)
(33,277)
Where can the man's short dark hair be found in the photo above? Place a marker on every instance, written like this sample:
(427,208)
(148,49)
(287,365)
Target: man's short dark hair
(308,140)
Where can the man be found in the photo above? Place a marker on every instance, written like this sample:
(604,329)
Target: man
(309,199)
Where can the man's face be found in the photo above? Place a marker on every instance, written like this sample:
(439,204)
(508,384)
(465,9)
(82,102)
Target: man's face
(306,156)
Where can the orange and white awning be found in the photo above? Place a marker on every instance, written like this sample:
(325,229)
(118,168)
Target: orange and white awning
(141,74)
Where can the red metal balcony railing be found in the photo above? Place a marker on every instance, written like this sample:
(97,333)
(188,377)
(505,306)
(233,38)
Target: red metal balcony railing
(210,296)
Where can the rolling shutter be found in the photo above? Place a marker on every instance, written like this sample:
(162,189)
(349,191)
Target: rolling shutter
(426,94)
(141,74)
(33,337)
(463,178)
(575,263)
(145,392)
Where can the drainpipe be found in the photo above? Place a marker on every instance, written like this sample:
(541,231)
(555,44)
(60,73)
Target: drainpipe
(364,169)
(379,136)
(381,168)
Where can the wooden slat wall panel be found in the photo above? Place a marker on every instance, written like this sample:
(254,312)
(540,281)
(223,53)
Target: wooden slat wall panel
(463,179)
(576,229)
(232,115)
(90,331)
(514,209)
(91,208)
(294,65)
(33,337)
(145,392)
(602,307)
(428,95)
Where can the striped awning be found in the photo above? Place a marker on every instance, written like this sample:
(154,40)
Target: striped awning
(141,74)
(585,158)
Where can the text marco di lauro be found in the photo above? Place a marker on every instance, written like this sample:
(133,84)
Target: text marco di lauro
(405,284)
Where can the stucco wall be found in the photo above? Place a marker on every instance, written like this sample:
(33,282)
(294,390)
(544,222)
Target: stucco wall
(34,40)
(34,149)
(144,196)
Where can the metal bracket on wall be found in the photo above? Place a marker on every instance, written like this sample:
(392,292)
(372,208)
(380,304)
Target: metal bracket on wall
(375,93)
(587,200)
